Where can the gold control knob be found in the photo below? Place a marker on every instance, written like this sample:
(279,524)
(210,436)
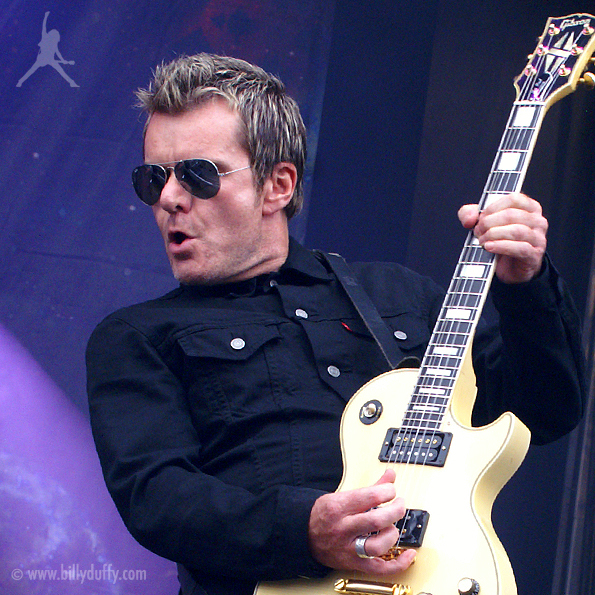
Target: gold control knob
(468,586)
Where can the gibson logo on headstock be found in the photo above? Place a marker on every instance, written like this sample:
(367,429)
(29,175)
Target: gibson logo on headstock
(573,23)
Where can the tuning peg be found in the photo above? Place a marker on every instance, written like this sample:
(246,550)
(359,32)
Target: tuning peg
(588,79)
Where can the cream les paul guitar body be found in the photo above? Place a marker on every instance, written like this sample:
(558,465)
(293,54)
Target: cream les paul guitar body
(456,537)
(418,422)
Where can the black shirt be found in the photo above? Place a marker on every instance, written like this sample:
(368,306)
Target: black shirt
(215,410)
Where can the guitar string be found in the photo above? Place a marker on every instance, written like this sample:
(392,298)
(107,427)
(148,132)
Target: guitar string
(471,254)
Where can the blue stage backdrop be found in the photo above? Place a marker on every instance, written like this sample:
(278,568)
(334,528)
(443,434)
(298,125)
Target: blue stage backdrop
(77,244)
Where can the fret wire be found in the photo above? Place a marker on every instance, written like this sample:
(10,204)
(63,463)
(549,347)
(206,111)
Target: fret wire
(425,413)
(439,382)
(436,400)
(446,362)
(460,290)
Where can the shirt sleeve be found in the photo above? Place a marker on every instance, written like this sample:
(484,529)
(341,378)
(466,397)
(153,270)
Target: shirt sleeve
(531,363)
(150,454)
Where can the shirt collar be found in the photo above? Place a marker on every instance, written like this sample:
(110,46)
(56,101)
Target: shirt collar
(304,263)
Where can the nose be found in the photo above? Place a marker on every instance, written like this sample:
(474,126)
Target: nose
(173,196)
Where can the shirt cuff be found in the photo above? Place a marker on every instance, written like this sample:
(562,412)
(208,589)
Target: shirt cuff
(294,535)
(531,298)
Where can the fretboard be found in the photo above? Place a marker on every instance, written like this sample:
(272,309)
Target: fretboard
(468,289)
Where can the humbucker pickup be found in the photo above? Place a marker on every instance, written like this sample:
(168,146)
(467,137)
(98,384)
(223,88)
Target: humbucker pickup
(418,447)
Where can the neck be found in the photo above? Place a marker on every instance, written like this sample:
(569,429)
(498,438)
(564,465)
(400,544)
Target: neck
(273,252)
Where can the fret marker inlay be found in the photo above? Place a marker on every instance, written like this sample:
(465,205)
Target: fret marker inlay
(458,314)
(445,350)
(424,390)
(438,372)
(492,197)
(524,116)
(509,161)
(475,271)
(427,408)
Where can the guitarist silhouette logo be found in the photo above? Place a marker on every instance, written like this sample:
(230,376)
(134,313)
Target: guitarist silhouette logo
(49,54)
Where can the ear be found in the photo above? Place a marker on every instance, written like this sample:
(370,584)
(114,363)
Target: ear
(279,188)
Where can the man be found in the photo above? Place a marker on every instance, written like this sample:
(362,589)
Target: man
(216,408)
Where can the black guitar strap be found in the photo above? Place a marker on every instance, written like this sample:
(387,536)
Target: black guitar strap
(366,309)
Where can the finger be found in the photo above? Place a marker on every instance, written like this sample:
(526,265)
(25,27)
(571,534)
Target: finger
(524,252)
(363,499)
(512,224)
(376,519)
(511,215)
(380,567)
(379,543)
(513,208)
(515,200)
(468,215)
(388,476)
(514,232)
(344,513)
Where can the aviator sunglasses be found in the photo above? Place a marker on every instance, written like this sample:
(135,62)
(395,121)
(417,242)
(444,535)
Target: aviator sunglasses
(200,177)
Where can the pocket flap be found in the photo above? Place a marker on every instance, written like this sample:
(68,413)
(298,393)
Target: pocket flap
(237,343)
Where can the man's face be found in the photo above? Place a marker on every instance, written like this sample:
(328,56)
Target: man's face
(216,240)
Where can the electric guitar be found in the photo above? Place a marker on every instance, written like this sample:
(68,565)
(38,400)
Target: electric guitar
(419,422)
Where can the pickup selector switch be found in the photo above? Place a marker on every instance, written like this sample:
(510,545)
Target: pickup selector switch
(370,412)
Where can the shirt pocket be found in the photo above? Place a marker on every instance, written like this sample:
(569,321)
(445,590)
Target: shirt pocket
(226,371)
(409,331)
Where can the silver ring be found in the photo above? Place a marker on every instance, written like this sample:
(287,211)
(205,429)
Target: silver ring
(360,546)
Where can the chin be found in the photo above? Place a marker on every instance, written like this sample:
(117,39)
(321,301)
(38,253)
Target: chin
(187,278)
(192,276)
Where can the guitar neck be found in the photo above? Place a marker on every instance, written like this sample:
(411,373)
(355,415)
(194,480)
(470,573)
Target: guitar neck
(468,289)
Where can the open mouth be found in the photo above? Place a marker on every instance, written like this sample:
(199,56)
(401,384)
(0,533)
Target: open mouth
(177,237)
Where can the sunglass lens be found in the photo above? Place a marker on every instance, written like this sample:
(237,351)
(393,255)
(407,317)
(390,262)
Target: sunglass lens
(199,176)
(148,182)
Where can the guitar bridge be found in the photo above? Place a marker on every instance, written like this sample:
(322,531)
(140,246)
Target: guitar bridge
(418,447)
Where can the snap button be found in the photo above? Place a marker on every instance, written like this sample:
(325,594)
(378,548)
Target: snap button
(273,283)
(301,313)
(238,343)
(334,371)
(401,335)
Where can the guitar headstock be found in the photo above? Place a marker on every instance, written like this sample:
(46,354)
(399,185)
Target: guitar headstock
(562,55)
